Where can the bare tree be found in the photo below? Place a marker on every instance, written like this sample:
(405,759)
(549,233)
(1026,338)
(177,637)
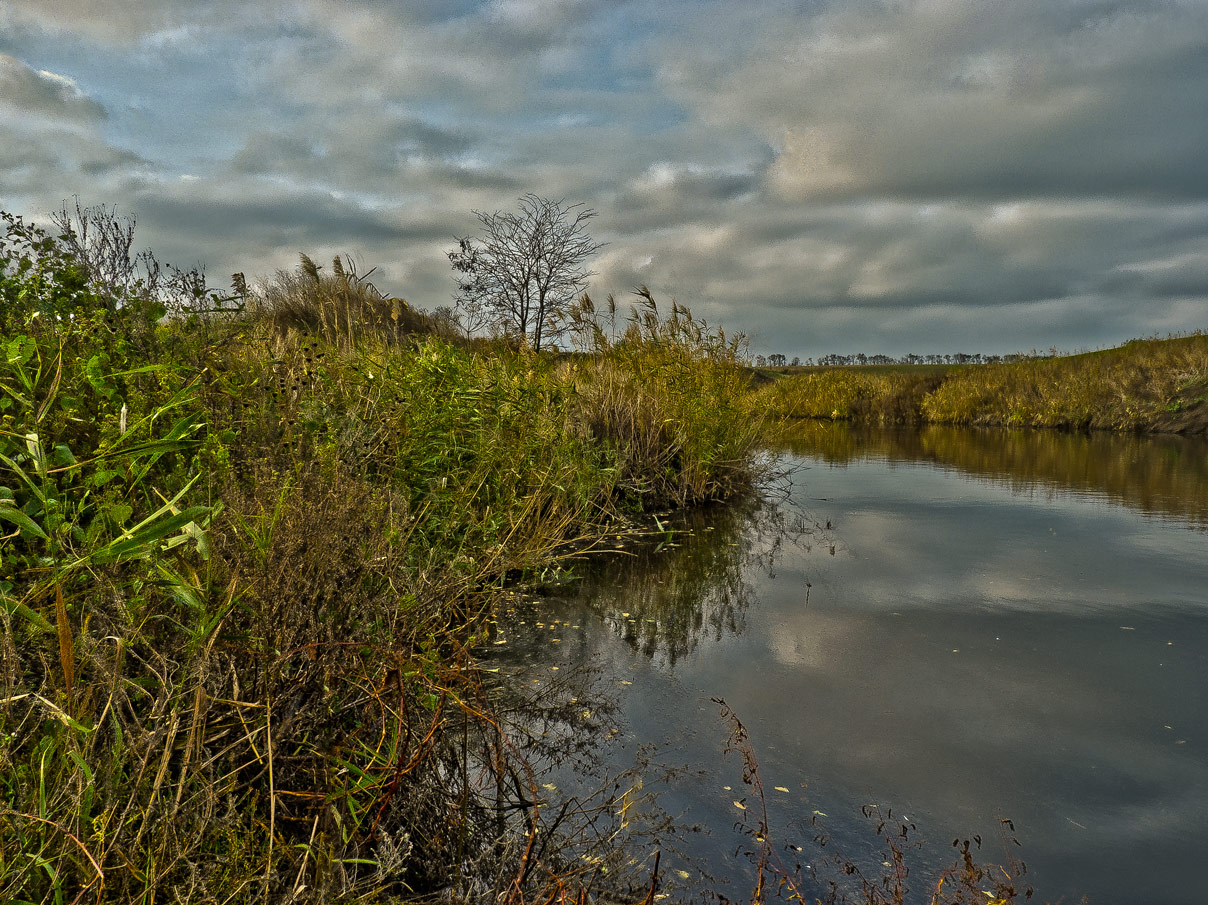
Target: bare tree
(526,269)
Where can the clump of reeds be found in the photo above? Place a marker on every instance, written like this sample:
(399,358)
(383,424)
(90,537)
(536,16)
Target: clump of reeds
(342,306)
(668,399)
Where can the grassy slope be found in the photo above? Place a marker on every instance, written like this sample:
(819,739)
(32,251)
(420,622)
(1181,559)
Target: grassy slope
(1157,385)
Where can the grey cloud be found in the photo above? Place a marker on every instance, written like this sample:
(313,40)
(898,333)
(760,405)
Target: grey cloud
(131,21)
(363,145)
(972,100)
(895,273)
(37,162)
(45,93)
(829,176)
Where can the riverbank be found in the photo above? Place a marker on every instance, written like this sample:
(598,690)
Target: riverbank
(248,556)
(1144,386)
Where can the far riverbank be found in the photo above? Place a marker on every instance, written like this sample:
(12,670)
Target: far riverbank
(1148,385)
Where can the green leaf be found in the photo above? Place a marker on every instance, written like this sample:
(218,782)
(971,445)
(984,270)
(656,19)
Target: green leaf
(11,513)
(20,472)
(62,456)
(140,542)
(120,513)
(15,608)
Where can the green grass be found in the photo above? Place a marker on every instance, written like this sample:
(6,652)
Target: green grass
(247,558)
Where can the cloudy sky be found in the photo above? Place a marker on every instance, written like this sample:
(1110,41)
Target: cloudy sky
(826,175)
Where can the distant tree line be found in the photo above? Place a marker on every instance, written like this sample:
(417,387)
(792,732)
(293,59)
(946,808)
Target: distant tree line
(950,358)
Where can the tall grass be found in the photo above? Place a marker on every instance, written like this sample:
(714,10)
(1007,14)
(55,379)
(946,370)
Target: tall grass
(246,558)
(1143,385)
(1136,386)
(667,400)
(340,306)
(881,396)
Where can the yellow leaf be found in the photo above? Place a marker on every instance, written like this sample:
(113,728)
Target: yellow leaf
(740,805)
(781,789)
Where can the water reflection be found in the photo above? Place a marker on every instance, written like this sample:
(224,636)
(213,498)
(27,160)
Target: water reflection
(1163,475)
(982,633)
(694,581)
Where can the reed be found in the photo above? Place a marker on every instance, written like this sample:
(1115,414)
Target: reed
(247,558)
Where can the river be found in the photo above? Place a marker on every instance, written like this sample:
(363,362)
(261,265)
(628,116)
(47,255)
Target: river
(959,627)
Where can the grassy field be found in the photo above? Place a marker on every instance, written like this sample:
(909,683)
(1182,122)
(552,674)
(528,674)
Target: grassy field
(1145,385)
(246,558)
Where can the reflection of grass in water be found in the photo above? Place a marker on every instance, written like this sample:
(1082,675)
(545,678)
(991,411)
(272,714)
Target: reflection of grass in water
(602,823)
(689,581)
(832,877)
(1156,474)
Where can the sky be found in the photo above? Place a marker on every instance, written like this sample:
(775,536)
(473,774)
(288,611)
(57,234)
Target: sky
(878,176)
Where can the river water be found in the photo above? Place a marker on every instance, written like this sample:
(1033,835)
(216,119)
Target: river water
(960,627)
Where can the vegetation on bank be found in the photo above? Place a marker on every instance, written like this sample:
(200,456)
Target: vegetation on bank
(246,552)
(1145,385)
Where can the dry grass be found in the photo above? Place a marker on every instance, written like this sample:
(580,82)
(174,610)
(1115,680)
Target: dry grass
(342,307)
(1144,385)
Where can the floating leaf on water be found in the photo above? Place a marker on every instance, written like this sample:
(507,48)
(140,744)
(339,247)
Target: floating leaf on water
(819,814)
(781,789)
(683,874)
(740,806)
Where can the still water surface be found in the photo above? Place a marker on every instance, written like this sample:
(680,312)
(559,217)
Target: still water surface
(961,626)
